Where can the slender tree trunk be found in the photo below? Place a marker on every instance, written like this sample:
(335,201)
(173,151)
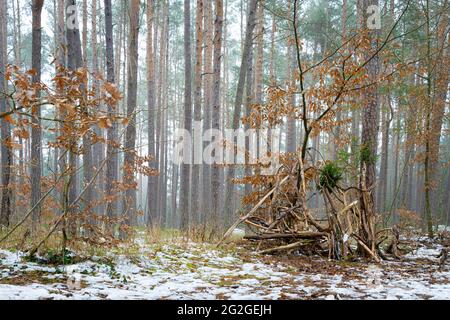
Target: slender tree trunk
(152,180)
(118,48)
(251,22)
(428,130)
(337,130)
(439,104)
(163,163)
(17,44)
(36,135)
(112,164)
(370,132)
(410,128)
(98,148)
(130,134)
(291,134)
(272,51)
(229,216)
(159,77)
(386,121)
(185,167)
(74,61)
(207,89)
(87,144)
(197,156)
(215,125)
(259,65)
(396,149)
(5,132)
(259,70)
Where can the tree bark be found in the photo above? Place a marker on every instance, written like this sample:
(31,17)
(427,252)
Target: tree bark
(112,164)
(251,22)
(291,134)
(98,148)
(196,195)
(74,61)
(215,125)
(6,153)
(207,89)
(130,134)
(152,180)
(439,104)
(185,167)
(36,134)
(87,144)
(370,132)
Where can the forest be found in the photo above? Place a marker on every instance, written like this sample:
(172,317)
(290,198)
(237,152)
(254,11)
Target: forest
(224,149)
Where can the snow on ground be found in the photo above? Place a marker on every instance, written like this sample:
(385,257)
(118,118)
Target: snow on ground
(194,271)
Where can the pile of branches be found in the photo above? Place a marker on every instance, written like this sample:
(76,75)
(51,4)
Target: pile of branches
(280,220)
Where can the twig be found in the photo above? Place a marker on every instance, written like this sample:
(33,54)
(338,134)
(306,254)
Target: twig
(63,216)
(32,209)
(286,247)
(248,215)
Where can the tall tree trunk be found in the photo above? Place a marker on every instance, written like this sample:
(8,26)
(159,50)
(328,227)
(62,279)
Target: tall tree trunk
(291,134)
(207,89)
(185,167)
(87,144)
(410,128)
(259,65)
(215,125)
(130,134)
(337,130)
(112,164)
(84,33)
(251,22)
(229,216)
(428,176)
(370,132)
(396,150)
(98,148)
(259,69)
(36,135)
(439,103)
(5,133)
(161,63)
(17,44)
(74,61)
(152,180)
(386,121)
(272,51)
(162,201)
(197,156)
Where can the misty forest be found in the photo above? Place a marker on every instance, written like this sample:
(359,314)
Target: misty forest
(224,149)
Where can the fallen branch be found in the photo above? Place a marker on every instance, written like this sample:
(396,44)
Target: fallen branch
(286,247)
(373,255)
(305,234)
(248,215)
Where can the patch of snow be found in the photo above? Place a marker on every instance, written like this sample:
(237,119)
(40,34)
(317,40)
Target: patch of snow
(194,271)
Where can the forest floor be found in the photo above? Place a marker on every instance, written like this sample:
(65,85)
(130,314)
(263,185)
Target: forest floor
(186,270)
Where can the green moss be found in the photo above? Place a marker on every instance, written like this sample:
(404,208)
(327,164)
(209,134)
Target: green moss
(56,257)
(366,156)
(330,175)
